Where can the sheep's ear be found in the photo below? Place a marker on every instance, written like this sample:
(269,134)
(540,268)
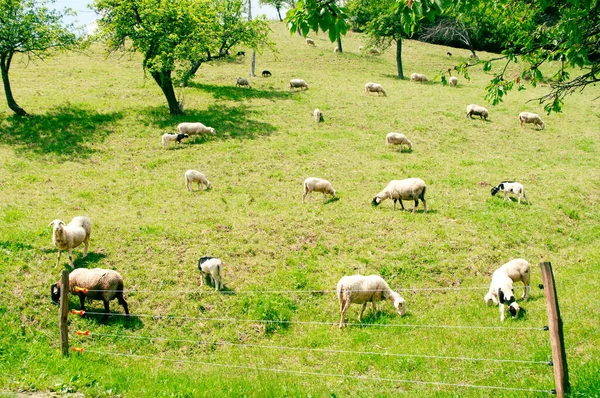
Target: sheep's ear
(501,296)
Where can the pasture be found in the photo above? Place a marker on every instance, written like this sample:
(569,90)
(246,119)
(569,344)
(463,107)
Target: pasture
(93,147)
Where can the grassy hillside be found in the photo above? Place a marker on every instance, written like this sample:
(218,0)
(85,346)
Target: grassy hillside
(92,147)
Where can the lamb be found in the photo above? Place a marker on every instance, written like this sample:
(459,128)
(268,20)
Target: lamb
(528,117)
(310,42)
(510,187)
(407,189)
(211,266)
(194,129)
(501,290)
(266,73)
(166,138)
(298,83)
(100,284)
(317,185)
(242,82)
(453,81)
(477,110)
(192,176)
(518,270)
(417,77)
(361,289)
(318,115)
(397,139)
(67,237)
(374,88)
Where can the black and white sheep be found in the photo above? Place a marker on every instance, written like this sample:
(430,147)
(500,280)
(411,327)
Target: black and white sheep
(374,88)
(418,77)
(310,42)
(361,289)
(101,284)
(298,83)
(212,267)
(397,139)
(528,117)
(194,176)
(194,129)
(266,73)
(502,292)
(518,270)
(67,237)
(453,81)
(510,187)
(318,115)
(313,184)
(241,81)
(374,51)
(477,110)
(166,138)
(241,54)
(407,189)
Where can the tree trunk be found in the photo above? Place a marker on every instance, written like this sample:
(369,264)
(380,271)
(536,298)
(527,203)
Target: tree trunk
(5,59)
(163,79)
(399,58)
(253,69)
(279,14)
(339,43)
(195,67)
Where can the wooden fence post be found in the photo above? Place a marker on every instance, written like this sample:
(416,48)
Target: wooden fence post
(63,312)
(555,328)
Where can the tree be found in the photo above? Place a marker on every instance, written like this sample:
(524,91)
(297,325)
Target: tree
(448,30)
(313,15)
(29,27)
(278,4)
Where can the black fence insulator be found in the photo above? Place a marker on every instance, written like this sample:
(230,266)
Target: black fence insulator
(546,328)
(550,363)
(541,286)
(553,391)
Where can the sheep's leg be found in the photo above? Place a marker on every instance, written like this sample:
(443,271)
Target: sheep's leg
(502,315)
(123,302)
(401,204)
(324,197)
(87,245)
(424,204)
(374,307)
(215,281)
(58,258)
(71,258)
(81,301)
(416,204)
(395,200)
(310,196)
(505,196)
(106,310)
(202,276)
(188,184)
(344,307)
(362,311)
(526,291)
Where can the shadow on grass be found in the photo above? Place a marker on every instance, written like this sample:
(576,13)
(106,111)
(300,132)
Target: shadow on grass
(332,200)
(63,133)
(234,93)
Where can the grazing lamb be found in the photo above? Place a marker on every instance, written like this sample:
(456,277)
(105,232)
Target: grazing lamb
(318,115)
(310,42)
(192,176)
(266,73)
(477,110)
(518,270)
(317,185)
(298,83)
(417,77)
(501,290)
(241,54)
(374,88)
(101,284)
(408,189)
(194,129)
(453,81)
(67,237)
(397,139)
(211,266)
(374,51)
(242,82)
(361,289)
(166,138)
(510,187)
(528,117)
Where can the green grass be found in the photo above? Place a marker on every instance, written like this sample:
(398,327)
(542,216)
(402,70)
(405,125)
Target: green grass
(92,147)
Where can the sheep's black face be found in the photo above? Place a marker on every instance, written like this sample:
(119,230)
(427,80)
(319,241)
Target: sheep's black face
(376,201)
(495,190)
(55,292)
(513,309)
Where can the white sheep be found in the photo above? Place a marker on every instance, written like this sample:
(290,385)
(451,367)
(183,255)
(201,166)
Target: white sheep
(510,187)
(99,284)
(318,115)
(417,77)
(518,270)
(360,48)
(397,139)
(374,51)
(408,189)
(453,81)
(194,129)
(477,110)
(361,289)
(313,184)
(166,138)
(242,82)
(374,88)
(67,237)
(192,176)
(528,117)
(310,42)
(298,83)
(336,50)
(501,291)
(211,266)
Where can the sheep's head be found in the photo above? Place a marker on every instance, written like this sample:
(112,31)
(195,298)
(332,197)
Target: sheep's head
(57,227)
(514,309)
(55,292)
(399,303)
(495,189)
(212,130)
(376,200)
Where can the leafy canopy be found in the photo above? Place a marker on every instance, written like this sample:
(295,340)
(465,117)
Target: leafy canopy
(313,15)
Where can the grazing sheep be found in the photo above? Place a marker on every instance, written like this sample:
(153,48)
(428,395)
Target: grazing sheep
(101,284)
(211,266)
(361,289)
(397,139)
(242,82)
(192,176)
(194,129)
(473,57)
(318,115)
(298,83)
(408,189)
(310,42)
(266,73)
(317,185)
(360,48)
(528,117)
(241,53)
(453,81)
(374,51)
(449,54)
(67,237)
(374,88)
(417,77)
(501,290)
(166,138)
(510,187)
(518,270)
(477,110)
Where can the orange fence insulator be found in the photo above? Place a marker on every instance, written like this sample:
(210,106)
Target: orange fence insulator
(76,312)
(81,289)
(78,349)
(83,332)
